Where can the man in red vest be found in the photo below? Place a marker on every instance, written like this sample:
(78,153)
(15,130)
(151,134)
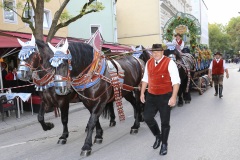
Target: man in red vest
(216,71)
(162,78)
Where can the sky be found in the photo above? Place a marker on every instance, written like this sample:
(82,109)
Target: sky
(221,11)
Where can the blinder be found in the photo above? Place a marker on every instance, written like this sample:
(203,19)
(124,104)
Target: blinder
(62,84)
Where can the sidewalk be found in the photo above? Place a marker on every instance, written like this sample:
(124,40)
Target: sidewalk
(12,123)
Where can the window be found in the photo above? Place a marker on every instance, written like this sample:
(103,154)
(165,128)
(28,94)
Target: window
(94,28)
(115,35)
(47,19)
(29,14)
(9,15)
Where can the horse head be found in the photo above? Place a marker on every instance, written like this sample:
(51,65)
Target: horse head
(62,63)
(142,53)
(29,59)
(172,52)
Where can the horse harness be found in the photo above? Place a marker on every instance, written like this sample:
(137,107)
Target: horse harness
(186,67)
(94,72)
(40,83)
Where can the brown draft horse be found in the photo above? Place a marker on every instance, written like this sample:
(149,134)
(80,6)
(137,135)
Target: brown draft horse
(89,73)
(34,62)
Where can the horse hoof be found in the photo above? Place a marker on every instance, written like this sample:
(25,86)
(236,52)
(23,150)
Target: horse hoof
(85,153)
(112,124)
(98,140)
(62,141)
(134,131)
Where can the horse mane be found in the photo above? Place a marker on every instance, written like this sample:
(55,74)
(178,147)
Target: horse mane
(82,53)
(45,52)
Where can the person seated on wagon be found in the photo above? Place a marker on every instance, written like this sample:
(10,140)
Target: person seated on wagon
(178,41)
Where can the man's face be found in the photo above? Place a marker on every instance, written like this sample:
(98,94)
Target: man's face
(157,55)
(217,56)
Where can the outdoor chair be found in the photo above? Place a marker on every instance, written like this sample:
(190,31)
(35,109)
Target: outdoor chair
(7,105)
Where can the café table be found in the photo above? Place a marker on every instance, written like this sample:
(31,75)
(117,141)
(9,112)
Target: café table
(22,96)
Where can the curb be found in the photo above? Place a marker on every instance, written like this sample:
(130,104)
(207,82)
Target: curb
(20,126)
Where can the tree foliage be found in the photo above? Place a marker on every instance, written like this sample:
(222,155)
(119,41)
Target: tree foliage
(219,40)
(233,30)
(61,17)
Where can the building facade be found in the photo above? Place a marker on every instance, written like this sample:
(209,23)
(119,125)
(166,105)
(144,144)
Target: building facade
(142,22)
(105,21)
(9,21)
(200,11)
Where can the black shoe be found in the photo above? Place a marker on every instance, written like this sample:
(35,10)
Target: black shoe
(220,96)
(157,142)
(215,94)
(163,150)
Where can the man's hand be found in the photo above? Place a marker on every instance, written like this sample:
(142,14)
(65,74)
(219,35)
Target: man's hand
(227,75)
(172,101)
(210,76)
(142,98)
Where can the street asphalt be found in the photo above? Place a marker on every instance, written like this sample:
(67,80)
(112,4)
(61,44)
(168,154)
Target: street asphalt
(12,123)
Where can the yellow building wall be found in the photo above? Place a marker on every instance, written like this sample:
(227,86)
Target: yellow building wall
(138,22)
(19,26)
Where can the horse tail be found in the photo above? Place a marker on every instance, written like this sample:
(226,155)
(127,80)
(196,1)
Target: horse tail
(108,111)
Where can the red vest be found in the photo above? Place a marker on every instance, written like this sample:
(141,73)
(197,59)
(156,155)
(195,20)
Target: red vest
(159,80)
(217,68)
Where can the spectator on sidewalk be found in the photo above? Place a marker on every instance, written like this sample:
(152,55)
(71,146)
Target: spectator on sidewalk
(10,75)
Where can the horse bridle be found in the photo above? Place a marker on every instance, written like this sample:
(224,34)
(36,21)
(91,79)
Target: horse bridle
(57,59)
(24,54)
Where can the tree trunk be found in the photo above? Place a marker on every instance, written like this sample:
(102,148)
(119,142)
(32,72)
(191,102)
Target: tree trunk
(38,32)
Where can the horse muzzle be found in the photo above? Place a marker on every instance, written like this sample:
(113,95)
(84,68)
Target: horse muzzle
(172,57)
(62,87)
(24,73)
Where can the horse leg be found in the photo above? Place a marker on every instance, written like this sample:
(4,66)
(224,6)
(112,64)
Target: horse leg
(186,95)
(45,125)
(180,99)
(112,115)
(99,133)
(86,149)
(137,115)
(64,118)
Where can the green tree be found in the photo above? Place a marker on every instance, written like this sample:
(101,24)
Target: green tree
(219,40)
(233,30)
(61,17)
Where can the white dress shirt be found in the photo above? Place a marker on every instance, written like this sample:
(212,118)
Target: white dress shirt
(175,42)
(224,64)
(172,69)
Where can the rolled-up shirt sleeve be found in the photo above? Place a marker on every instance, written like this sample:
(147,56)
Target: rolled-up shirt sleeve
(174,74)
(145,75)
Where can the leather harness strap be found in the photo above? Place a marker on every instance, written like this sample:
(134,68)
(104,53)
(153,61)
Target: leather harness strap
(116,74)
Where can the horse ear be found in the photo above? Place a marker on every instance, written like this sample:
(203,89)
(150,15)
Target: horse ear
(33,41)
(133,48)
(64,48)
(21,42)
(52,47)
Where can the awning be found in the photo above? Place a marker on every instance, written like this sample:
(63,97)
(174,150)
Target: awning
(117,48)
(9,40)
